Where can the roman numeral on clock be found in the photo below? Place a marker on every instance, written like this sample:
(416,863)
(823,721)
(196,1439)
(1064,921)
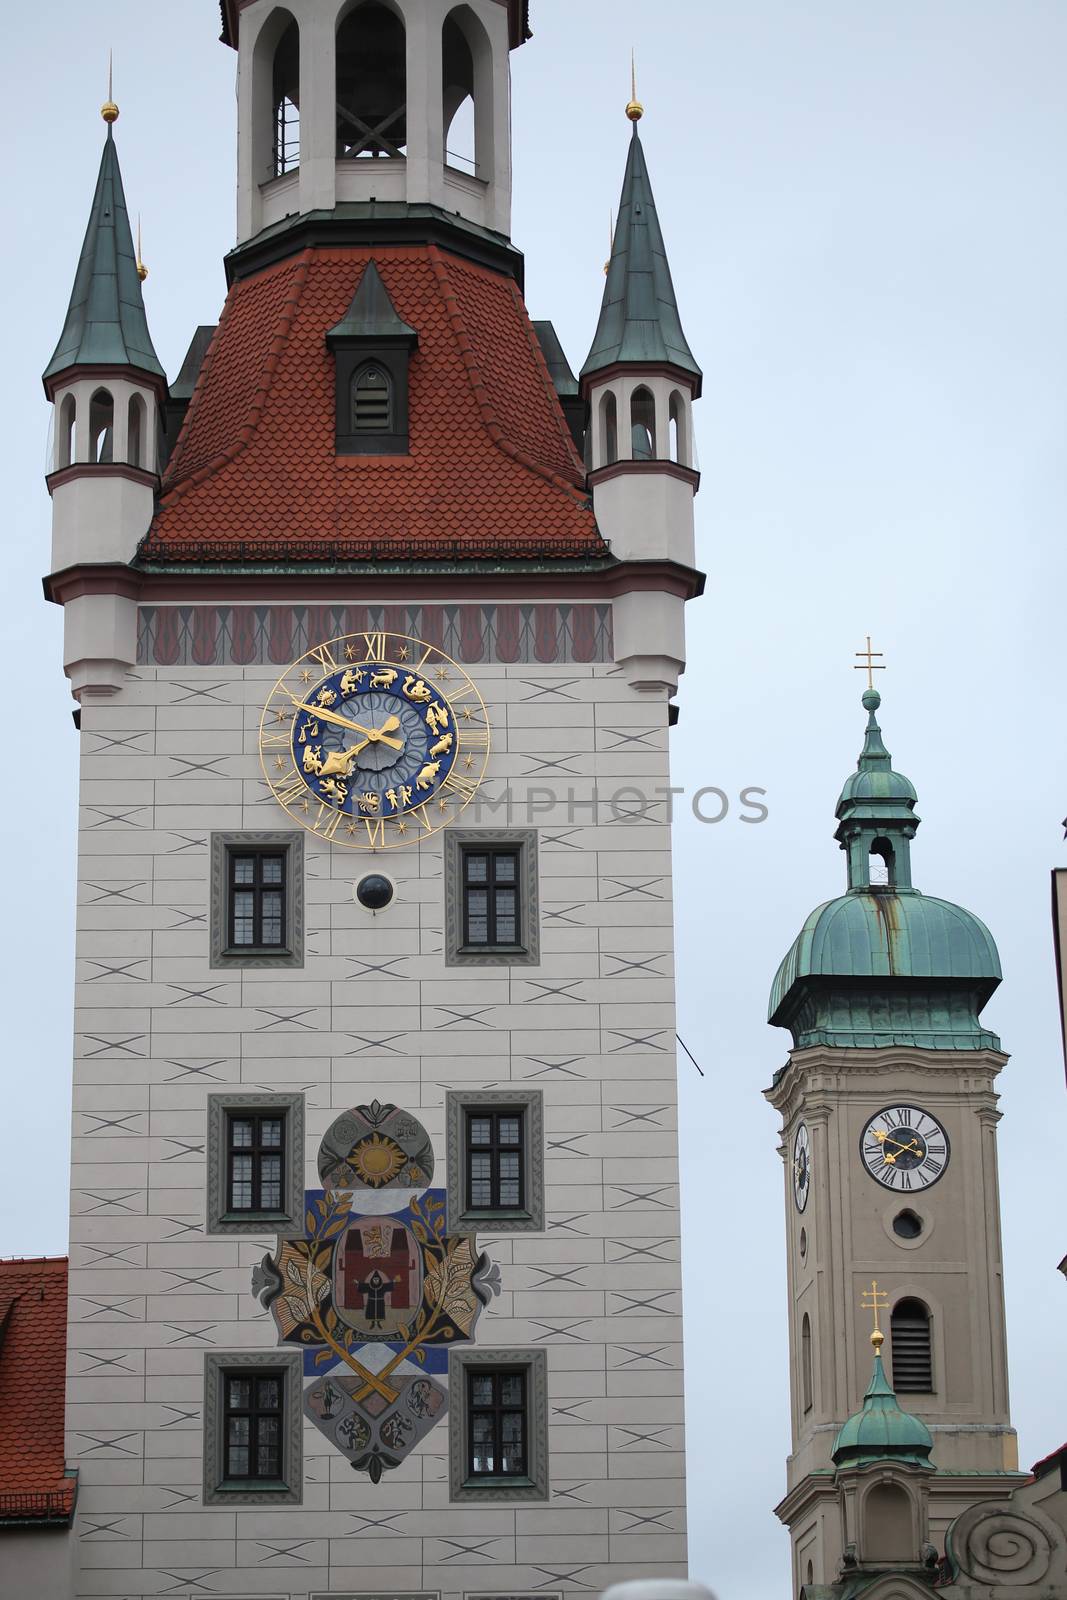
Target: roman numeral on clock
(471,738)
(274,741)
(375,646)
(328,821)
(465,788)
(293,788)
(322,655)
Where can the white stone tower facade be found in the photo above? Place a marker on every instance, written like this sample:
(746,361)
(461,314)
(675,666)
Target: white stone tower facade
(374,1281)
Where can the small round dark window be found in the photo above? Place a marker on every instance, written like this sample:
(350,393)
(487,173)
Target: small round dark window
(906,1225)
(374,891)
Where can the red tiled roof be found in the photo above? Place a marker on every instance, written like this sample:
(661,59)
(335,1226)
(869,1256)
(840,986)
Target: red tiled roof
(492,472)
(33,1346)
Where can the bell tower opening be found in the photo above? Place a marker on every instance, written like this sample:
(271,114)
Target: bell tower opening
(371,83)
(286,101)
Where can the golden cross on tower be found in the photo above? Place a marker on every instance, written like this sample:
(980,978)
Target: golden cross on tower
(875,1300)
(868,664)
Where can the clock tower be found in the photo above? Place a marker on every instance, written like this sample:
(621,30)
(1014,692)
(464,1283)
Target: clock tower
(373,616)
(889,1116)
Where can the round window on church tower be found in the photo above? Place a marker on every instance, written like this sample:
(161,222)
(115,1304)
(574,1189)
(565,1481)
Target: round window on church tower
(803,1243)
(907,1225)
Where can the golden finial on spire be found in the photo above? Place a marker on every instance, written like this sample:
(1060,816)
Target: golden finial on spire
(142,270)
(867,663)
(109,110)
(875,1299)
(634,110)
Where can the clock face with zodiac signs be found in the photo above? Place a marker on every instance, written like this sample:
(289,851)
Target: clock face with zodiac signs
(374,740)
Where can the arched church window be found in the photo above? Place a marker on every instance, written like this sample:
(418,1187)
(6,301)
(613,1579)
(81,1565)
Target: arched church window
(68,412)
(909,1334)
(285,101)
(807,1392)
(643,424)
(888,1533)
(371,82)
(609,429)
(101,427)
(372,401)
(136,428)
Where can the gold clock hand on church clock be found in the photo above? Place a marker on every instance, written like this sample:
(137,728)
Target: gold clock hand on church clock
(373,735)
(911,1149)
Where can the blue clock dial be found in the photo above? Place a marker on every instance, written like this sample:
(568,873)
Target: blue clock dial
(372,740)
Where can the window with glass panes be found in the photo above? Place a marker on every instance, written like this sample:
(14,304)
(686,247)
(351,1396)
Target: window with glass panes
(256,1160)
(257,899)
(491,909)
(252,1423)
(496,1422)
(495,1179)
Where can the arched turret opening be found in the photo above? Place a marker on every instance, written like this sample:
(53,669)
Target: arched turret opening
(285,99)
(101,427)
(678,422)
(912,1347)
(609,429)
(276,97)
(807,1392)
(888,1525)
(371,82)
(68,416)
(882,865)
(136,431)
(467,93)
(643,424)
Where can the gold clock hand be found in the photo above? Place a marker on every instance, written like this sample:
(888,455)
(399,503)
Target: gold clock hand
(372,735)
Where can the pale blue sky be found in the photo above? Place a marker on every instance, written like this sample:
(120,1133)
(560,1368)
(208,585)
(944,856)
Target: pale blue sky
(864,209)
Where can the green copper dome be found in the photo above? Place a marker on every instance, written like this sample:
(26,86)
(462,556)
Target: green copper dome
(883,964)
(881,1430)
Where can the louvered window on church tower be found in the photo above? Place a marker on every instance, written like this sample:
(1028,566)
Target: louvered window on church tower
(909,1332)
(372,402)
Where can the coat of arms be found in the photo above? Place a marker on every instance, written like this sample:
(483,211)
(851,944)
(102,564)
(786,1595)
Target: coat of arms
(376,1286)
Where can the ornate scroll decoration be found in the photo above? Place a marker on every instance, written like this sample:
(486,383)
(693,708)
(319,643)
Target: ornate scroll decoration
(999,1544)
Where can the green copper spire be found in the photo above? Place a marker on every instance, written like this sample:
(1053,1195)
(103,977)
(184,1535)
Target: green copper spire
(106,324)
(881,1430)
(883,964)
(639,321)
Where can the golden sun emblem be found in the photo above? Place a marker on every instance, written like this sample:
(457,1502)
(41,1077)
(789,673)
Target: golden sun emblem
(376,1161)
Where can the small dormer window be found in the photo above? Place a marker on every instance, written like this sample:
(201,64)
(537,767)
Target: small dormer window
(372,401)
(372,349)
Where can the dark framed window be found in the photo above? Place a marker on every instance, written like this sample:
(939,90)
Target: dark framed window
(909,1334)
(498,1435)
(497,1422)
(495,1140)
(257,896)
(253,1407)
(253,1427)
(492,897)
(372,401)
(495,1144)
(257,899)
(255,1161)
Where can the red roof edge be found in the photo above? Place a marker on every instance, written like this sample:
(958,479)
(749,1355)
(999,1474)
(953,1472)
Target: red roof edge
(37,1489)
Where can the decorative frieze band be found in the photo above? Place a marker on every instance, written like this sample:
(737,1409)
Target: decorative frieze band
(256,635)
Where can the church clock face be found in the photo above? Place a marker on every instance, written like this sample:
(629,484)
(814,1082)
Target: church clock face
(801,1166)
(904,1148)
(374,740)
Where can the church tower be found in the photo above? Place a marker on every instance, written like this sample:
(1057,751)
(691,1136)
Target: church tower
(889,1116)
(374,1278)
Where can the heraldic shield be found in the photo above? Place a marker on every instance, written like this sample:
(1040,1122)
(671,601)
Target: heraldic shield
(375,1286)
